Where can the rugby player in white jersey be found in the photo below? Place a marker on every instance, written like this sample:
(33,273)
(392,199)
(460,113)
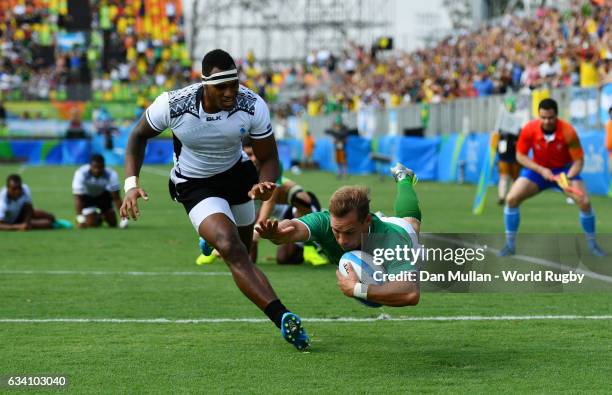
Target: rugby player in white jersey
(213,179)
(17,211)
(96,188)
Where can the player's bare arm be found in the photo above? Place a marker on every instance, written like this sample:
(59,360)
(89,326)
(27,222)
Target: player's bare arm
(28,211)
(391,293)
(27,221)
(5,226)
(267,207)
(286,231)
(267,155)
(134,157)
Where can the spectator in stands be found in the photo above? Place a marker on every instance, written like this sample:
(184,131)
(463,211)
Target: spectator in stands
(483,84)
(144,46)
(17,211)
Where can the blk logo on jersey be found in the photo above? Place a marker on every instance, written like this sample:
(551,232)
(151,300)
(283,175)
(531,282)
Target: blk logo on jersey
(215,118)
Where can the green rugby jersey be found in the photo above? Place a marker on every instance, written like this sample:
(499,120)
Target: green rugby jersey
(389,234)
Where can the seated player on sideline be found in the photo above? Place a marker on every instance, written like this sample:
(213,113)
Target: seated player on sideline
(340,230)
(96,188)
(556,149)
(289,200)
(17,211)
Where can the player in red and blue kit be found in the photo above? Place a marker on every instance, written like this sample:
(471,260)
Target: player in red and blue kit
(556,149)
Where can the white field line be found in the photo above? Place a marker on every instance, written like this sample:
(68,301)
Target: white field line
(312,319)
(530,259)
(103,273)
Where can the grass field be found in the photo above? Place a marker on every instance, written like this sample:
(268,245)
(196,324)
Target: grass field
(105,293)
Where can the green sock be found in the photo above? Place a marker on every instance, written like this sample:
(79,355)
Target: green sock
(406,200)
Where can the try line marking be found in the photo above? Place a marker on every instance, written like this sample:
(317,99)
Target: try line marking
(312,319)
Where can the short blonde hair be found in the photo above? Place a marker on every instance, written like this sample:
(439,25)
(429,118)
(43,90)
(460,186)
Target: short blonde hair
(349,198)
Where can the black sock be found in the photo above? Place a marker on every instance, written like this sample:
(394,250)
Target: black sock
(275,311)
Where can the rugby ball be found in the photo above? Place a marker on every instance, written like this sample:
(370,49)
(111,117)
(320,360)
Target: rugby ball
(364,268)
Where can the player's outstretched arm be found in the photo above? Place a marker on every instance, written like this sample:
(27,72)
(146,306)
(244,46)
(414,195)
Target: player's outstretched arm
(265,211)
(269,168)
(134,157)
(19,226)
(395,293)
(391,293)
(286,231)
(262,191)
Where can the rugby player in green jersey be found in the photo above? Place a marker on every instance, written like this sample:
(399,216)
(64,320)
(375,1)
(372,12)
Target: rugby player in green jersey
(342,228)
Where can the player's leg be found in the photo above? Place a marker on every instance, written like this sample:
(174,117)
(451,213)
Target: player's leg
(222,233)
(504,181)
(246,236)
(406,200)
(42,214)
(92,218)
(41,219)
(290,254)
(587,216)
(522,189)
(110,217)
(104,202)
(219,225)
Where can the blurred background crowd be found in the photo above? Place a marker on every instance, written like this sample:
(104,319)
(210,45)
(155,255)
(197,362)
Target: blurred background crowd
(133,50)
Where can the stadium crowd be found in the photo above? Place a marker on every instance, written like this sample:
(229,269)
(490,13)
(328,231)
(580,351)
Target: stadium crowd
(515,53)
(133,48)
(137,49)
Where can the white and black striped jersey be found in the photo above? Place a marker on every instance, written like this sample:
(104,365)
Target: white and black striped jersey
(207,144)
(9,208)
(85,183)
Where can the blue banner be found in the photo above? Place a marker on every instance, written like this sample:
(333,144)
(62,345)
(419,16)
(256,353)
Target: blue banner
(448,156)
(284,154)
(28,151)
(472,156)
(358,155)
(386,146)
(324,154)
(447,159)
(605,103)
(595,172)
(75,152)
(420,155)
